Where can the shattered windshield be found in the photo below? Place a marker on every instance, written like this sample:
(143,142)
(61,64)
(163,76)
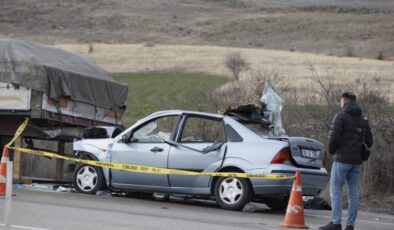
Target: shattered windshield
(262,131)
(265,119)
(274,104)
(157,130)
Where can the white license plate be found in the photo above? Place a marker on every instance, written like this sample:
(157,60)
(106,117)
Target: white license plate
(309,153)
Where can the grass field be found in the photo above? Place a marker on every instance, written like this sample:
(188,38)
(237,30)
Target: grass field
(153,91)
(127,58)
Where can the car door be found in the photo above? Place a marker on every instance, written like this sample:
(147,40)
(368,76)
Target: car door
(144,146)
(197,133)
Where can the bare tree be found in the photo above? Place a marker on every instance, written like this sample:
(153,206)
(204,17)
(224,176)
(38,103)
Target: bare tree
(236,63)
(380,56)
(91,49)
(309,110)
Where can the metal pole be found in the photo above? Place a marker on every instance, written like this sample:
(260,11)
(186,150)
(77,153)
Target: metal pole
(8,192)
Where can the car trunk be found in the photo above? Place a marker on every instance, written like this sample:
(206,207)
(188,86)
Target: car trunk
(305,152)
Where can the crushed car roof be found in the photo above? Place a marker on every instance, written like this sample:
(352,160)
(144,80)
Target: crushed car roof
(180,112)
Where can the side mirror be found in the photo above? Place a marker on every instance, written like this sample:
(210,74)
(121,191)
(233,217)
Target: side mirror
(133,140)
(124,139)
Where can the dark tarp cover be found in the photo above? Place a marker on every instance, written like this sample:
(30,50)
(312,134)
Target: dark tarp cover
(59,73)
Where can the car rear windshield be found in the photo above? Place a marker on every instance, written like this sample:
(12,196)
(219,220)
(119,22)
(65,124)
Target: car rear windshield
(260,130)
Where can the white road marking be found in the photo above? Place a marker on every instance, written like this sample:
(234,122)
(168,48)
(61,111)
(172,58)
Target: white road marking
(24,227)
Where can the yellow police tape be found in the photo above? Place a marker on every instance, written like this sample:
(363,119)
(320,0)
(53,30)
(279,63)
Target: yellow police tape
(135,168)
(18,132)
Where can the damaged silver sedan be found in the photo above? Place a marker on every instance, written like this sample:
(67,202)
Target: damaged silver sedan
(203,142)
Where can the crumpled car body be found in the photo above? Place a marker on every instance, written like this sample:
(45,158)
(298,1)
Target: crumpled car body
(177,139)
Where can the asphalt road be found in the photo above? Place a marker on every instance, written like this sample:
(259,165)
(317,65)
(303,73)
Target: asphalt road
(34,209)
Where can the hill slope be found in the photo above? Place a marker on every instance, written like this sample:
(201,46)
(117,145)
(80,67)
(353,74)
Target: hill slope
(359,27)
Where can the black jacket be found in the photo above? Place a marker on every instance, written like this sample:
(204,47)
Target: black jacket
(344,141)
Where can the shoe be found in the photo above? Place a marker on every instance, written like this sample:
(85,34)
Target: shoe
(349,227)
(331,226)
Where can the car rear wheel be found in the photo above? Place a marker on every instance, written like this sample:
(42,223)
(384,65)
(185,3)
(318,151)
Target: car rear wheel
(232,193)
(88,179)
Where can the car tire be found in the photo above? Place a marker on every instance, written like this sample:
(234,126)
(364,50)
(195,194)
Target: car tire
(232,193)
(277,204)
(88,179)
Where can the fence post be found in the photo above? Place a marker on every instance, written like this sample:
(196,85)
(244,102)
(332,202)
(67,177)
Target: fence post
(60,162)
(17,162)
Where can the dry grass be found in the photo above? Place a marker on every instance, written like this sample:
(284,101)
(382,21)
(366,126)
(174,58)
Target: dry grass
(117,58)
(139,58)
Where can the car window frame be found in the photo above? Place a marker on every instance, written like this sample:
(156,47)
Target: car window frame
(173,132)
(183,123)
(229,127)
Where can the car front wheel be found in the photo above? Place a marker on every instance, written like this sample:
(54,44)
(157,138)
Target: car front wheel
(232,193)
(88,179)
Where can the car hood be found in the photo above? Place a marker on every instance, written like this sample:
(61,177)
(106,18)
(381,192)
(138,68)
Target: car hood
(101,144)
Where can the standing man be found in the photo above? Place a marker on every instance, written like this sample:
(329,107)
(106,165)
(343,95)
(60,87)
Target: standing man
(345,145)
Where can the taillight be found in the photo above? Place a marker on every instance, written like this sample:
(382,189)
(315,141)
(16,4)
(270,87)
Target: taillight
(324,159)
(282,157)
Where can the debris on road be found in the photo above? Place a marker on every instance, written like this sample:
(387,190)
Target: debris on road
(251,208)
(104,193)
(161,196)
(47,187)
(316,203)
(63,189)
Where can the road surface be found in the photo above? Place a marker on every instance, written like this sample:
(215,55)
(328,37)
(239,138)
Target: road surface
(35,210)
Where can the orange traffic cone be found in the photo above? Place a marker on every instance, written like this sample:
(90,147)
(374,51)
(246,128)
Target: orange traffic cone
(3,171)
(294,217)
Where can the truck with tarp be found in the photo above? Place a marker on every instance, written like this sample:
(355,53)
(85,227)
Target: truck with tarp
(61,92)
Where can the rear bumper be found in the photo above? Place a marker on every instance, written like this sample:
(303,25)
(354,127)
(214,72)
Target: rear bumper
(313,181)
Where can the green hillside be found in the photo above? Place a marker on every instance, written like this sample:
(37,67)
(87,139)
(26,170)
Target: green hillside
(150,92)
